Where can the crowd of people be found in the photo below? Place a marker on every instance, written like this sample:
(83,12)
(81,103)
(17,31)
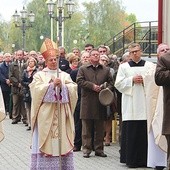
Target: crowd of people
(56,95)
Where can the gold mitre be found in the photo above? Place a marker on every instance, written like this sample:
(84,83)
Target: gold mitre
(49,48)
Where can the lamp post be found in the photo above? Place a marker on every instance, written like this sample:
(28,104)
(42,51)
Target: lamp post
(21,22)
(60,18)
(13,48)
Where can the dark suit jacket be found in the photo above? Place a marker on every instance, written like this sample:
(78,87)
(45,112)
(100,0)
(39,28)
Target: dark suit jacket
(91,108)
(4,74)
(162,78)
(63,64)
(15,77)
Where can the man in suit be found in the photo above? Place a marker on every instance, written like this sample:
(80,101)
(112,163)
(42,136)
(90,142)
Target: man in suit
(162,75)
(91,78)
(5,82)
(15,72)
(63,62)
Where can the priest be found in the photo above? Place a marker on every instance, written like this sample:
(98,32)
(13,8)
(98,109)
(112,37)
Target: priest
(54,96)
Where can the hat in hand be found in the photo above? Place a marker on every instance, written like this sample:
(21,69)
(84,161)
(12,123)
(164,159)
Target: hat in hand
(106,97)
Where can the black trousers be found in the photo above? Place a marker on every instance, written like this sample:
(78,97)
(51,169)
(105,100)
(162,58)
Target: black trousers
(6,97)
(168,151)
(78,126)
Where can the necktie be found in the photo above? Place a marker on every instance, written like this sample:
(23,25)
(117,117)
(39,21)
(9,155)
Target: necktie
(20,65)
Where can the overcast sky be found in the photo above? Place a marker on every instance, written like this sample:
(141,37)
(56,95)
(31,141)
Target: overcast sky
(145,10)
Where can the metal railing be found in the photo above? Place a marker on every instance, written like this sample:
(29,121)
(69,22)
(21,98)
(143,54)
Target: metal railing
(144,33)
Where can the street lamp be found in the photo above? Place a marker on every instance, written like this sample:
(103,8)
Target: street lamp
(60,18)
(13,48)
(23,22)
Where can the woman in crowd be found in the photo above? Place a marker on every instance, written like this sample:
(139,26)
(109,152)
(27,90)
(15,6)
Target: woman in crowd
(27,78)
(110,109)
(73,61)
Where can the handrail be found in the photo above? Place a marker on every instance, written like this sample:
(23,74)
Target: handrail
(132,25)
(136,32)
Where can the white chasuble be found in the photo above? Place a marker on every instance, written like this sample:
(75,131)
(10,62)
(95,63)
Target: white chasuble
(44,114)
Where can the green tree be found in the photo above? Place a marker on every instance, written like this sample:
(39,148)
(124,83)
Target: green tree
(92,22)
(41,27)
(104,19)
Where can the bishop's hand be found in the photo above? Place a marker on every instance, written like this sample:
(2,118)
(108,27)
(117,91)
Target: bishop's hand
(57,82)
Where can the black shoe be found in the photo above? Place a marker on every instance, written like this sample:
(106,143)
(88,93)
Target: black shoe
(76,149)
(29,128)
(132,166)
(86,155)
(100,154)
(107,144)
(24,122)
(159,167)
(14,122)
(93,148)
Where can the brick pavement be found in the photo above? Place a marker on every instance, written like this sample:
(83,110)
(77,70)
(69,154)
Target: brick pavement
(15,152)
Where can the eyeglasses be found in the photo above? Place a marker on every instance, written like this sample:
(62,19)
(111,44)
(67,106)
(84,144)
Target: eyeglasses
(132,52)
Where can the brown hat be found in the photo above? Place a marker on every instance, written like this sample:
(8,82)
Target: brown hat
(49,48)
(106,97)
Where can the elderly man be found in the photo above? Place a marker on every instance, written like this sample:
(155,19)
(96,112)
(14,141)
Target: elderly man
(54,96)
(157,145)
(131,83)
(63,62)
(5,82)
(162,79)
(91,78)
(15,72)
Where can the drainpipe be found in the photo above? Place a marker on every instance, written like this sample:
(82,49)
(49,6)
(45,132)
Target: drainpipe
(160,20)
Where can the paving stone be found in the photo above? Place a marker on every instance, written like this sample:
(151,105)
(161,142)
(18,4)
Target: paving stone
(15,152)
